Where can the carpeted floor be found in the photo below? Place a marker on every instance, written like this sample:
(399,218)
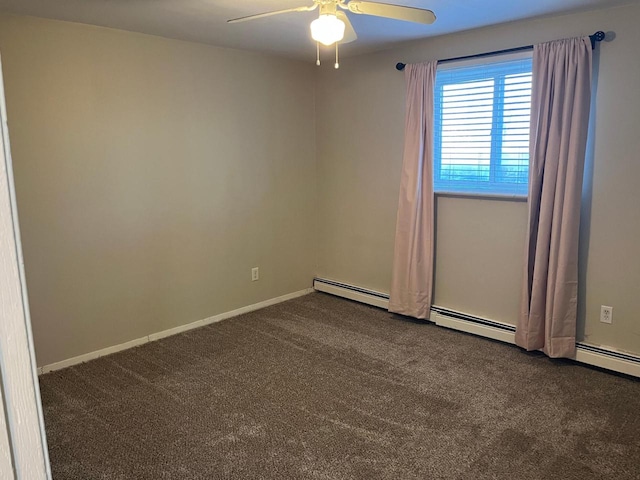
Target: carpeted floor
(324,388)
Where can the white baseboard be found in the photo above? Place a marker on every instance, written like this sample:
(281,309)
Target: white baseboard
(598,356)
(91,355)
(172,331)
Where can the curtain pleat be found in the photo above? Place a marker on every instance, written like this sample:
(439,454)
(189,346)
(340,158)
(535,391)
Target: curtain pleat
(561,96)
(412,277)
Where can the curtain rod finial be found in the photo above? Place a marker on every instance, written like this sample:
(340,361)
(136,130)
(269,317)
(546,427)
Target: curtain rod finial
(596,37)
(400,66)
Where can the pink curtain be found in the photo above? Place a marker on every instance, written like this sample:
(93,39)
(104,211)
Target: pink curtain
(412,278)
(559,120)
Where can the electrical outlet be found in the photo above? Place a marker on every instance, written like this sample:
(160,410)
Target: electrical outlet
(606,314)
(255,274)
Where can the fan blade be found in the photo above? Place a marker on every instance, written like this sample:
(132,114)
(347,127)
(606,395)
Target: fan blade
(349,32)
(408,14)
(277,12)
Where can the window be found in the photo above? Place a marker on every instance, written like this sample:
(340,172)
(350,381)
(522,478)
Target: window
(481,131)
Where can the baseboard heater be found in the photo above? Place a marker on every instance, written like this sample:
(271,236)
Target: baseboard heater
(598,356)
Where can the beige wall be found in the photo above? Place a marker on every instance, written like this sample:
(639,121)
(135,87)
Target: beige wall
(360,121)
(151,175)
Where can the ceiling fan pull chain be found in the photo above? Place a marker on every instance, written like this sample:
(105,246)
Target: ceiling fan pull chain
(337,65)
(318,53)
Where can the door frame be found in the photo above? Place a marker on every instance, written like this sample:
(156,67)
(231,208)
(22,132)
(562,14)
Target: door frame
(23,445)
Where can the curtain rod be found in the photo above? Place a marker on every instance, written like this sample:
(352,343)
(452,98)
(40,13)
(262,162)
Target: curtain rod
(596,37)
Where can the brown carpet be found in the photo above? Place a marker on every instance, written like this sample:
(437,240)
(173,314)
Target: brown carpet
(324,388)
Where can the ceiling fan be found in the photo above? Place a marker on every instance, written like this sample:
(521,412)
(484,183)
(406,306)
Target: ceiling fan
(333,26)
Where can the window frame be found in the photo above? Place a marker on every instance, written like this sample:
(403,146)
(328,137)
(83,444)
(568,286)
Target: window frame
(466,187)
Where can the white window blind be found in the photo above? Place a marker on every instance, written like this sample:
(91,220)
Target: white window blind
(481,128)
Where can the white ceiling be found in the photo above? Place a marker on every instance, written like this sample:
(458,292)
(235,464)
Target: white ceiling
(288,34)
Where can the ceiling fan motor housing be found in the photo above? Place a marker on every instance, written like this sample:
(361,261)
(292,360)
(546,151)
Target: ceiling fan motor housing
(328,8)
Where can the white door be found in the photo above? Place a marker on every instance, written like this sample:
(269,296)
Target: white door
(23,447)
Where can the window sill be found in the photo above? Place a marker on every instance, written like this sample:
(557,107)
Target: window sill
(484,196)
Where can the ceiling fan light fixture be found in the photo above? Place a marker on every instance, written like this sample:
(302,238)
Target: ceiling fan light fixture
(327,29)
